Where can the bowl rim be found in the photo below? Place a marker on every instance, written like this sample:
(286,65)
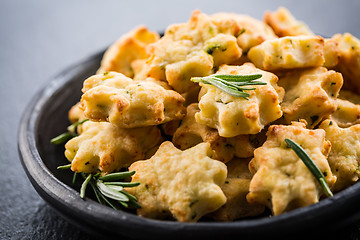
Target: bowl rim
(90,215)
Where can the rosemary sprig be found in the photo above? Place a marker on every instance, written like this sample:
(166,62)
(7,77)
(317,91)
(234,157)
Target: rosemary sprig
(64,137)
(109,192)
(232,84)
(309,163)
(84,185)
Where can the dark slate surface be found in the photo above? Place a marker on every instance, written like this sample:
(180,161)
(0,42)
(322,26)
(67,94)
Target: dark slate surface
(40,38)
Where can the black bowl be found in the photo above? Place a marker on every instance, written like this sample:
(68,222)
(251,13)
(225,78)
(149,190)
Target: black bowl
(46,117)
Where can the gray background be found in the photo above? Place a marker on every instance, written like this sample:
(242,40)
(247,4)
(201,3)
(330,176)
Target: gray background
(40,38)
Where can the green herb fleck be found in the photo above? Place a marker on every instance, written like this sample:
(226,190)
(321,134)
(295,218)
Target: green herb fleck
(243,30)
(211,30)
(210,49)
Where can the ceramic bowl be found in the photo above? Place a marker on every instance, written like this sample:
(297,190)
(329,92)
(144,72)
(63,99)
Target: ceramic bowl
(46,117)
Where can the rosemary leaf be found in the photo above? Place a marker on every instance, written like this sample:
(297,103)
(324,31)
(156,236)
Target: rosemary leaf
(247,83)
(73,127)
(115,188)
(62,138)
(132,200)
(130,196)
(309,163)
(67,166)
(97,193)
(96,175)
(232,84)
(110,193)
(248,88)
(124,204)
(99,196)
(239,78)
(123,184)
(132,203)
(74,178)
(107,200)
(116,176)
(84,185)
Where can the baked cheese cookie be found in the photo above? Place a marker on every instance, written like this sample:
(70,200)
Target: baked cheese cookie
(108,148)
(129,104)
(183,184)
(281,180)
(344,156)
(233,116)
(191,133)
(127,49)
(310,94)
(288,53)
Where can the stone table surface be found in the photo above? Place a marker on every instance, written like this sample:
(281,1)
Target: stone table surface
(39,38)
